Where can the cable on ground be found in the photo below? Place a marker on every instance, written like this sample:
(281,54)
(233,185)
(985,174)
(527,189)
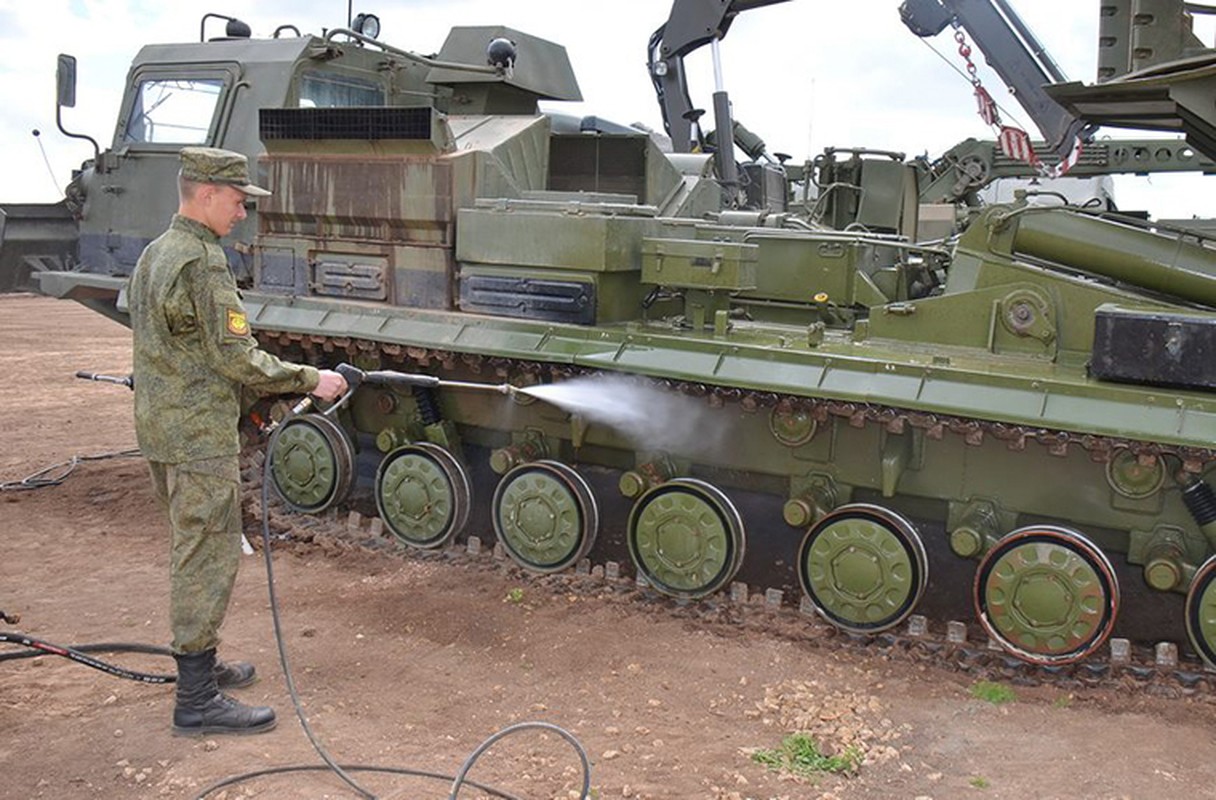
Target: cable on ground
(79,654)
(341,770)
(56,474)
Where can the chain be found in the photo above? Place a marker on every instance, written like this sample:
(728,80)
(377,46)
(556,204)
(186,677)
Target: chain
(1014,141)
(964,50)
(988,110)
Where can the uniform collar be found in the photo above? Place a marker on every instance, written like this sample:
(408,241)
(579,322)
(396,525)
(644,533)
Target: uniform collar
(193,227)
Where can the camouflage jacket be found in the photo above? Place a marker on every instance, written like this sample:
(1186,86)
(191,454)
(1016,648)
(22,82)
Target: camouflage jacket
(193,352)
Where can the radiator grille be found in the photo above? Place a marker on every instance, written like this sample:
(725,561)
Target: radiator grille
(368,123)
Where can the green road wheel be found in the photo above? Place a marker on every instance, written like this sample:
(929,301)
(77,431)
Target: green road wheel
(863,567)
(686,538)
(312,463)
(423,495)
(1201,611)
(1129,477)
(545,515)
(1046,594)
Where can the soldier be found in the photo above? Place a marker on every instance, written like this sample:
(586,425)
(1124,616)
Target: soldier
(193,358)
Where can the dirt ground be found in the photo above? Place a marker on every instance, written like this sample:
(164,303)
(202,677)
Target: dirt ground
(404,661)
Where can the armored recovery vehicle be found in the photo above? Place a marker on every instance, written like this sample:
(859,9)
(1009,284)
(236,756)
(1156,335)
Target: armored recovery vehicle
(1026,408)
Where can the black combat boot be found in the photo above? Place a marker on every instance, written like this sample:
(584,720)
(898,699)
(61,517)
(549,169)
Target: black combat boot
(202,708)
(234,674)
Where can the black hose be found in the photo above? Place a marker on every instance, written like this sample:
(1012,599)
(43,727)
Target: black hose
(278,629)
(428,409)
(288,769)
(79,654)
(1200,500)
(428,406)
(56,474)
(458,781)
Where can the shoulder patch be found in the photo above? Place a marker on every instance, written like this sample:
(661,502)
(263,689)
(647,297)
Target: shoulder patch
(237,322)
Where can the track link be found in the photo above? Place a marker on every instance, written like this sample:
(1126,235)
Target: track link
(322,349)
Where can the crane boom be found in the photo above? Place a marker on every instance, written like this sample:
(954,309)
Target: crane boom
(1013,51)
(690,25)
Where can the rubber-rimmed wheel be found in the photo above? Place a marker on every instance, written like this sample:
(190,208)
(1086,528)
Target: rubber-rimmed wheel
(686,538)
(863,567)
(1201,611)
(312,463)
(545,515)
(1047,595)
(423,494)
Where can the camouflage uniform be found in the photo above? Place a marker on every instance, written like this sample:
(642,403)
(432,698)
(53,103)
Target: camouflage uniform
(193,356)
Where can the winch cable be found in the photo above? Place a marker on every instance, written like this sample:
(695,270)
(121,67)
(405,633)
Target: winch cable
(343,770)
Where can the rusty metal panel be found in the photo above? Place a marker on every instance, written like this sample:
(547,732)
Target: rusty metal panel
(383,199)
(276,269)
(423,277)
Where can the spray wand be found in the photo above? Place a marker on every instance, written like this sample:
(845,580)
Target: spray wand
(126,380)
(356,377)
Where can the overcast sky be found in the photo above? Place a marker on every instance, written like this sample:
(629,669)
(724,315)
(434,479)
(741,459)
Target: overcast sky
(804,75)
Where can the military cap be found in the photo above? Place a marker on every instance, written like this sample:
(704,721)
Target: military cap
(213,165)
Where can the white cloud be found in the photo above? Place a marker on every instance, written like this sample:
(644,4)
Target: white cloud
(803,75)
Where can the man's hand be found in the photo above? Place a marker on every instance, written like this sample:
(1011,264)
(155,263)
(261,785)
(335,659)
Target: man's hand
(331,385)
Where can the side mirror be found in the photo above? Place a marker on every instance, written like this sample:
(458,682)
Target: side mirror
(65,97)
(65,80)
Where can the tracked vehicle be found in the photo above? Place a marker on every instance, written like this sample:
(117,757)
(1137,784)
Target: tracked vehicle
(1024,411)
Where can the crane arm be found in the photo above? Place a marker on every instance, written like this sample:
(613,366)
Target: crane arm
(1013,51)
(690,25)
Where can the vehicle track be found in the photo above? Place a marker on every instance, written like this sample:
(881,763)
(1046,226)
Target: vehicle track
(1151,670)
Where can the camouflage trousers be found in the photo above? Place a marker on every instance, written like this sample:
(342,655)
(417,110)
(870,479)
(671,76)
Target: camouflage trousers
(204,505)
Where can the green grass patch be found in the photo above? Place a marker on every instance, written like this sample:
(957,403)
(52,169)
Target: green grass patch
(995,693)
(516,595)
(980,783)
(800,754)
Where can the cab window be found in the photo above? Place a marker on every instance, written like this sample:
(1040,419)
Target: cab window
(173,110)
(332,90)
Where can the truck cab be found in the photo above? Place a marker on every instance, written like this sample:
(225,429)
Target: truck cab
(209,93)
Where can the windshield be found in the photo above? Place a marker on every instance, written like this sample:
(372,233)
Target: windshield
(173,110)
(331,90)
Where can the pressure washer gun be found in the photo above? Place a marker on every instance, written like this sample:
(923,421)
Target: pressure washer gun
(127,380)
(356,377)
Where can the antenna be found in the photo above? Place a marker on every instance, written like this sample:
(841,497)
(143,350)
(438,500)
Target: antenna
(38,136)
